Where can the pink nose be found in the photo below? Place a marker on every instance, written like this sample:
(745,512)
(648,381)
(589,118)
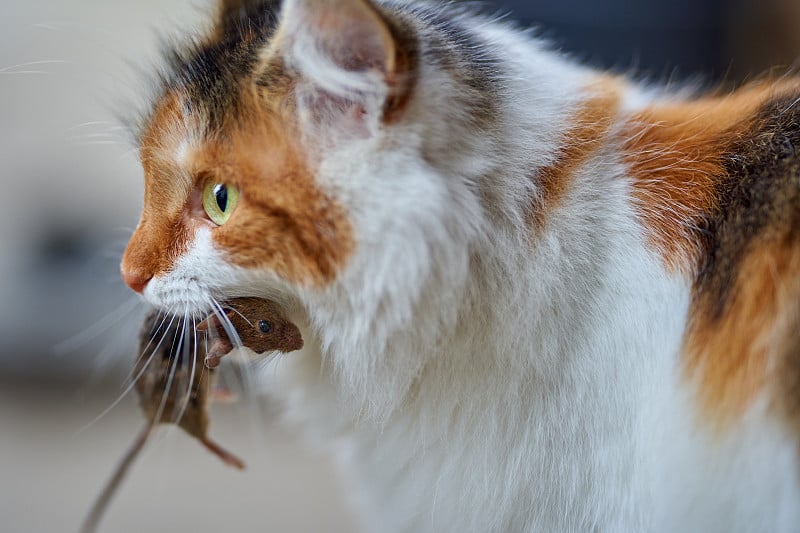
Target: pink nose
(135,280)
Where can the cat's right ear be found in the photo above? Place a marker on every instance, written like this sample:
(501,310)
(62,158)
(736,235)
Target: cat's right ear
(353,64)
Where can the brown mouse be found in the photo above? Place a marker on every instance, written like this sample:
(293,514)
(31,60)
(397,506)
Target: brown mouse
(185,402)
(260,325)
(171,390)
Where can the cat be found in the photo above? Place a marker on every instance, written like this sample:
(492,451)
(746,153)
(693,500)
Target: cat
(534,296)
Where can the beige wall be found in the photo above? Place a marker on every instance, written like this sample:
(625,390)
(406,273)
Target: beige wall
(68,188)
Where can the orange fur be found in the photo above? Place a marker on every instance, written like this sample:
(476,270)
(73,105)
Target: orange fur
(732,356)
(676,154)
(725,225)
(591,124)
(161,236)
(284,222)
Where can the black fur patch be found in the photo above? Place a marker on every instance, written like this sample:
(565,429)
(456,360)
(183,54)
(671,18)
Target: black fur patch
(758,196)
(759,206)
(210,72)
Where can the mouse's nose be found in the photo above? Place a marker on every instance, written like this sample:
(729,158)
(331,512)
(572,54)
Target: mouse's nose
(135,280)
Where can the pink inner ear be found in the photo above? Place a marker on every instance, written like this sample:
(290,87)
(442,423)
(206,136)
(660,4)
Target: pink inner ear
(350,33)
(356,44)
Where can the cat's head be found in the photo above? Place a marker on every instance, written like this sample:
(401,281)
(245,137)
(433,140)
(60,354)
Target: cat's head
(284,147)
(322,155)
(230,178)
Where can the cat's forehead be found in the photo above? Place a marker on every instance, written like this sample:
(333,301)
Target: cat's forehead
(203,79)
(208,71)
(190,132)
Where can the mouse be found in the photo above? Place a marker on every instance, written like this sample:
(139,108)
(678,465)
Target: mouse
(184,403)
(260,325)
(171,390)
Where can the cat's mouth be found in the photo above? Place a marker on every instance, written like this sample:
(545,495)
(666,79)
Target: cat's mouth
(184,296)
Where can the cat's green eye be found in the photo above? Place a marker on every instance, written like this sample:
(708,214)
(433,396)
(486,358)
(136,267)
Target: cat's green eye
(219,201)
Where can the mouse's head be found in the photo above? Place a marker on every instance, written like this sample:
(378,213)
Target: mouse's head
(259,324)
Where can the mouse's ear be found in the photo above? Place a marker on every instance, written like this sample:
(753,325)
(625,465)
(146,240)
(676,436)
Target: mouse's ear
(211,323)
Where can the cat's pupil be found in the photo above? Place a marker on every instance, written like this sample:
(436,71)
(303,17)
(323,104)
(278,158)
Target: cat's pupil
(264,326)
(221,196)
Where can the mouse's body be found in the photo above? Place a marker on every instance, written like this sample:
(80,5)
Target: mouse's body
(172,384)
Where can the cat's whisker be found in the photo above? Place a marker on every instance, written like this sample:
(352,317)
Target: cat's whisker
(114,348)
(127,230)
(92,123)
(97,329)
(34,72)
(226,323)
(248,382)
(242,370)
(179,362)
(233,336)
(192,372)
(91,136)
(129,387)
(173,368)
(133,152)
(153,336)
(790,106)
(12,69)
(241,315)
(102,143)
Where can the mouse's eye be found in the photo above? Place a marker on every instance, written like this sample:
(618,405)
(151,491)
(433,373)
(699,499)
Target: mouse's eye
(265,326)
(219,201)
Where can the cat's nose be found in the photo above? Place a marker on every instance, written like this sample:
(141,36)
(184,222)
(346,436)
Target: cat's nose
(135,280)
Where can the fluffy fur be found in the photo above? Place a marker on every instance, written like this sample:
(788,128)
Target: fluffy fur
(509,270)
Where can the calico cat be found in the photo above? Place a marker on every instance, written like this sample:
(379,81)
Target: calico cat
(534,296)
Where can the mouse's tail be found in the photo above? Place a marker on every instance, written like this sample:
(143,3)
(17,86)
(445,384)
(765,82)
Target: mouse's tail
(101,504)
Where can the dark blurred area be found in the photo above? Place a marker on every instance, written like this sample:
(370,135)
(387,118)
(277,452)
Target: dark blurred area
(657,37)
(72,190)
(710,40)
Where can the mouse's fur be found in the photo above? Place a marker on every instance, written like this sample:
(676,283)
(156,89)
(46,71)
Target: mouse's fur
(246,315)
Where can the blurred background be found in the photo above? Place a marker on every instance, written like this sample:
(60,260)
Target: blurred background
(71,192)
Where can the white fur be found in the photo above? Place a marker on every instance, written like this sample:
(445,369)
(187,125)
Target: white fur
(470,378)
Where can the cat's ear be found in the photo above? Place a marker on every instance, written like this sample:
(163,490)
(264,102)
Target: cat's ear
(348,55)
(235,16)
